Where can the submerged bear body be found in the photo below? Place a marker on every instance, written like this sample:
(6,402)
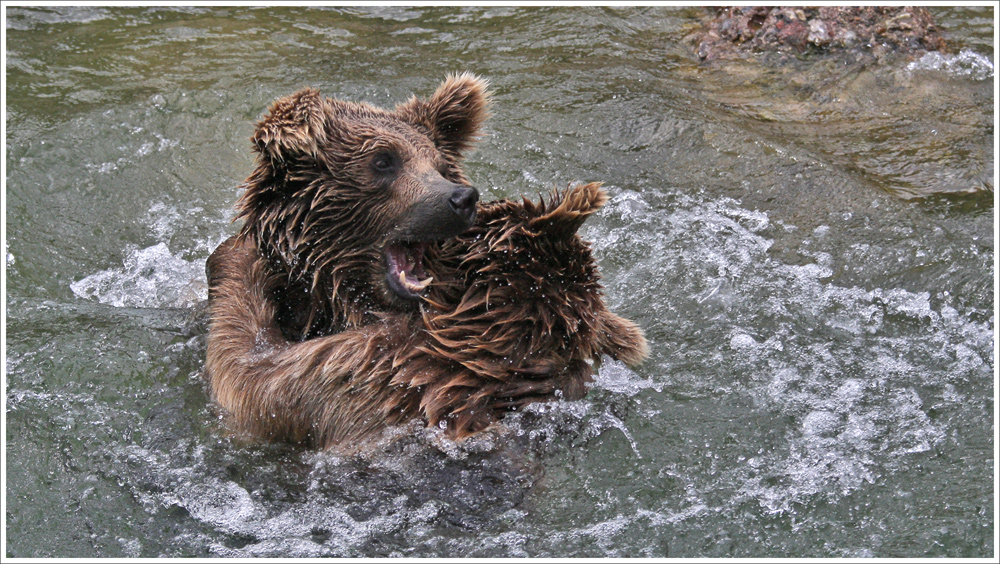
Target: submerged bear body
(368,286)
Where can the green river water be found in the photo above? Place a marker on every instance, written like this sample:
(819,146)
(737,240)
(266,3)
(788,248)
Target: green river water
(809,247)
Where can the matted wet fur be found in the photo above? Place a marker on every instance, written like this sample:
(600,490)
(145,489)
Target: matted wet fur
(368,288)
(516,317)
(344,194)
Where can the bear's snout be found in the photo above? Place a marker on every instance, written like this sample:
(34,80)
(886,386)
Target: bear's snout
(444,210)
(463,202)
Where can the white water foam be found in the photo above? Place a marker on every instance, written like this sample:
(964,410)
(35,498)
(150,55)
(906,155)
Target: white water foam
(150,277)
(155,276)
(846,365)
(966,64)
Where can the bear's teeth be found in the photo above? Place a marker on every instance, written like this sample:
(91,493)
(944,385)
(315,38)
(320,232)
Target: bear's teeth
(414,287)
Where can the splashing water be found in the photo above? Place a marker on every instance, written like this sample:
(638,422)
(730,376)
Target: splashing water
(965,64)
(150,277)
(821,373)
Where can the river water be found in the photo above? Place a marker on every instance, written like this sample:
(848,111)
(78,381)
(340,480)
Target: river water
(809,247)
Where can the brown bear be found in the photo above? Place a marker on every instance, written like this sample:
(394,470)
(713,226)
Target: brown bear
(368,288)
(344,197)
(516,315)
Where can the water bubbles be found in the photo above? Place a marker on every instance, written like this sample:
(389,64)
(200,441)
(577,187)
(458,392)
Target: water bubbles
(615,377)
(901,302)
(965,64)
(221,503)
(838,361)
(719,293)
(820,423)
(530,178)
(742,341)
(914,431)
(150,277)
(131,547)
(154,276)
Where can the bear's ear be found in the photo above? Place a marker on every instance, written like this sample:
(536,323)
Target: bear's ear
(567,211)
(453,116)
(291,128)
(621,339)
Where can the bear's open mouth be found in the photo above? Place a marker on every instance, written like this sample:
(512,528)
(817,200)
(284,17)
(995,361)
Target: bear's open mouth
(405,269)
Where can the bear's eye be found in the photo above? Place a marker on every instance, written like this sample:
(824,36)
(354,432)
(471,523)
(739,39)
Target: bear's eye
(447,170)
(384,161)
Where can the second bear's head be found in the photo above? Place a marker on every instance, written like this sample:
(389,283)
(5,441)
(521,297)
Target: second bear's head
(347,195)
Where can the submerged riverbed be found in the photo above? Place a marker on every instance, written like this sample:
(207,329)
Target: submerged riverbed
(808,246)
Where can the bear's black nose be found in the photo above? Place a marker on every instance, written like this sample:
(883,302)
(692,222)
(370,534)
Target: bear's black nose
(463,202)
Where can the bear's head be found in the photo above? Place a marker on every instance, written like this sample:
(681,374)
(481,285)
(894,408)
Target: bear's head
(345,197)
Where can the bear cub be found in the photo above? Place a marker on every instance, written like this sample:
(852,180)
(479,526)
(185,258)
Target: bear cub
(368,285)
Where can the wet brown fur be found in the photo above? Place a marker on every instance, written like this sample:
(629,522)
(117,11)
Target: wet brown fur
(518,315)
(304,345)
(313,207)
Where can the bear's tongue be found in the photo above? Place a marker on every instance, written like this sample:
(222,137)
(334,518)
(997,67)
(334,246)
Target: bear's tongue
(406,268)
